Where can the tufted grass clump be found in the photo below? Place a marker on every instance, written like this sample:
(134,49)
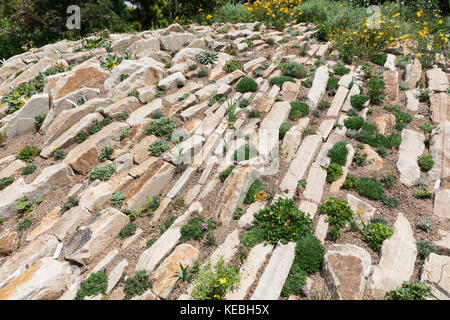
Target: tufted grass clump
(379,59)
(246,84)
(295,280)
(231,65)
(298,110)
(102,172)
(357,101)
(341,70)
(425,248)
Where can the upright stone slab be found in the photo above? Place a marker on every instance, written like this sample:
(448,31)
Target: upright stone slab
(338,101)
(346,268)
(249,270)
(435,274)
(272,280)
(437,80)
(318,87)
(413,73)
(151,257)
(300,164)
(440,151)
(397,260)
(410,149)
(314,184)
(392,89)
(93,237)
(364,210)
(440,107)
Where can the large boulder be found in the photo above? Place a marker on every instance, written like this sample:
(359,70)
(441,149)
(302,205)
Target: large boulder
(346,268)
(435,274)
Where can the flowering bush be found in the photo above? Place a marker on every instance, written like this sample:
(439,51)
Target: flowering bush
(274,12)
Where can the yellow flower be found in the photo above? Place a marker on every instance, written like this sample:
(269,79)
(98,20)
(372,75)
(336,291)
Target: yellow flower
(440,21)
(419,54)
(200,10)
(216,296)
(222,280)
(209,16)
(53,148)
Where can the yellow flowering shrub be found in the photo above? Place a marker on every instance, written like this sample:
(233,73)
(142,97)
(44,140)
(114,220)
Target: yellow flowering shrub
(274,12)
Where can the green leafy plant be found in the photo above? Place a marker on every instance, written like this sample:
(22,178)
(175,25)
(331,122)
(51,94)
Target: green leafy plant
(338,214)
(358,101)
(279,81)
(238,213)
(338,153)
(71,202)
(95,284)
(322,105)
(137,284)
(333,85)
(350,182)
(105,154)
(423,194)
(38,121)
(162,127)
(117,198)
(424,224)
(158,147)
(283,222)
(409,291)
(309,253)
(375,233)
(251,238)
(354,123)
(231,65)
(390,202)
(196,229)
(225,173)
(341,70)
(29,169)
(425,248)
(255,187)
(102,172)
(379,59)
(213,283)
(293,69)
(284,128)
(127,231)
(166,224)
(232,112)
(295,281)
(427,127)
(110,61)
(28,153)
(308,83)
(207,57)
(5,181)
(376,89)
(82,136)
(59,153)
(334,172)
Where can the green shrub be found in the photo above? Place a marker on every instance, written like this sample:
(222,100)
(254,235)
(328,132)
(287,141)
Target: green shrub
(233,13)
(309,253)
(24,224)
(29,169)
(127,231)
(322,105)
(425,248)
(388,180)
(256,187)
(103,172)
(350,182)
(424,224)
(225,173)
(374,235)
(95,284)
(283,222)
(376,90)
(270,41)
(426,162)
(283,129)
(196,229)
(158,147)
(27,153)
(213,283)
(369,188)
(105,154)
(427,127)
(404,86)
(409,291)
(338,153)
(82,136)
(354,123)
(166,224)
(6,181)
(137,284)
(246,85)
(162,127)
(295,280)
(117,198)
(293,69)
(207,57)
(231,66)
(122,116)
(245,153)
(151,241)
(298,110)
(332,85)
(251,238)
(357,101)
(279,81)
(71,202)
(379,59)
(334,172)
(244,103)
(401,119)
(157,115)
(341,70)
(338,214)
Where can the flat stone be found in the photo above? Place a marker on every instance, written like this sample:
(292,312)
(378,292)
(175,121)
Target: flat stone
(441,203)
(95,235)
(13,168)
(308,207)
(46,223)
(443,245)
(69,222)
(115,275)
(390,62)
(272,280)
(8,242)
(435,274)
(346,268)
(325,128)
(410,149)
(315,183)
(397,260)
(392,89)
(247,218)
(413,73)
(338,101)
(47,279)
(227,249)
(412,103)
(440,107)
(440,151)
(105,262)
(364,210)
(166,274)
(373,160)
(385,123)
(437,80)
(318,87)
(321,229)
